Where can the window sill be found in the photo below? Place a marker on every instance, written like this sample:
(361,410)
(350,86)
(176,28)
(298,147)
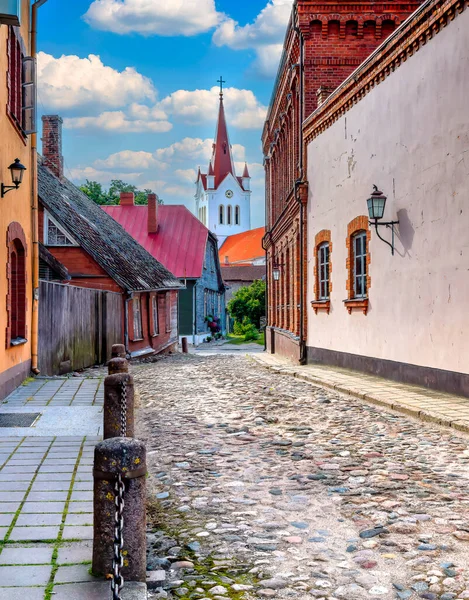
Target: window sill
(360,303)
(321,305)
(154,335)
(137,339)
(18,342)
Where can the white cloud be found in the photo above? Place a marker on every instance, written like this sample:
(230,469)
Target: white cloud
(154,17)
(128,160)
(198,106)
(188,149)
(117,121)
(70,82)
(80,174)
(189,175)
(265,35)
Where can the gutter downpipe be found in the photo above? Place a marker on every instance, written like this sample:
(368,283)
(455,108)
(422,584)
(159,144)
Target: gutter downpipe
(126,321)
(298,183)
(34,213)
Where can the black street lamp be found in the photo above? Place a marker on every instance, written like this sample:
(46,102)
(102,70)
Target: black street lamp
(376,205)
(17,171)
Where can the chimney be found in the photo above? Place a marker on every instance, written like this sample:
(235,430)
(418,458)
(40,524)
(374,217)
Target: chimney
(227,260)
(52,144)
(323,94)
(152,213)
(127,199)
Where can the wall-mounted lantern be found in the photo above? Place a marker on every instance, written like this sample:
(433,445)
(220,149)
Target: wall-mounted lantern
(17,171)
(376,205)
(276,268)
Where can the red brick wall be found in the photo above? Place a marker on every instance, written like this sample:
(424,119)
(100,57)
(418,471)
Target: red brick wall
(164,338)
(52,143)
(338,37)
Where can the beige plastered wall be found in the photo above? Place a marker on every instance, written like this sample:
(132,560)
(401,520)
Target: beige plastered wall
(409,136)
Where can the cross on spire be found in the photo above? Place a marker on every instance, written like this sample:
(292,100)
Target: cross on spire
(221,82)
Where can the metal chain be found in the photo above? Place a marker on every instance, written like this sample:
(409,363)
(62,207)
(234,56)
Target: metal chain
(117,581)
(124,410)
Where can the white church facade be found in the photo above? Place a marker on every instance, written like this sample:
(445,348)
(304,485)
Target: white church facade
(222,199)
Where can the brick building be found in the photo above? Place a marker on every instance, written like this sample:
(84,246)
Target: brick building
(325,41)
(182,243)
(99,254)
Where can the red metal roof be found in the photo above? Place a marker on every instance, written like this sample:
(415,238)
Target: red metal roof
(179,243)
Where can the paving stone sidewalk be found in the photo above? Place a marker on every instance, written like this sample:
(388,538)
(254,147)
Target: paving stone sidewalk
(425,404)
(46,491)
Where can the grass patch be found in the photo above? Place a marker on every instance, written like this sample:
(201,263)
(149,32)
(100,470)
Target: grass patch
(173,523)
(238,340)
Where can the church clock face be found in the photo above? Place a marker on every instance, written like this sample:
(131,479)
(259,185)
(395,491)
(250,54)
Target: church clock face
(229,194)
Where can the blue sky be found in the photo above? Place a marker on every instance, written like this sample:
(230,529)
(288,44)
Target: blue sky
(135,81)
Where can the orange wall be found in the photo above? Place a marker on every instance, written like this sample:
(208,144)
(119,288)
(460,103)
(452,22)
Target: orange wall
(15,206)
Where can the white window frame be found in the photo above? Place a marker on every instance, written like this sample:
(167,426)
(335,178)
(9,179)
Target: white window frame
(155,315)
(237,215)
(137,319)
(362,259)
(221,215)
(323,270)
(48,218)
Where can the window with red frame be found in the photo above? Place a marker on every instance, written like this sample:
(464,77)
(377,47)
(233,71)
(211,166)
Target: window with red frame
(15,78)
(17,293)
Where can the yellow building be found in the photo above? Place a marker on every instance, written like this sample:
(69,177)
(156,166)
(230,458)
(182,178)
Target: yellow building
(18,249)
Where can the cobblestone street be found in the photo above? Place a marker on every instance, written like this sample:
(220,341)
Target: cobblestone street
(270,486)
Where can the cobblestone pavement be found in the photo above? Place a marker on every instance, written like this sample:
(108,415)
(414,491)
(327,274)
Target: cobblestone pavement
(273,487)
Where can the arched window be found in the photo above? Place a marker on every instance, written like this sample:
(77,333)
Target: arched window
(228,214)
(16,273)
(237,215)
(221,214)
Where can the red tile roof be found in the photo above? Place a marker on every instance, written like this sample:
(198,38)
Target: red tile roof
(242,247)
(179,243)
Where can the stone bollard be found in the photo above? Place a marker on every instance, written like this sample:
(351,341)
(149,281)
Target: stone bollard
(128,457)
(118,351)
(118,365)
(185,347)
(114,386)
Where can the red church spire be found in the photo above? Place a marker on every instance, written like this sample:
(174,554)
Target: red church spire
(246,170)
(222,159)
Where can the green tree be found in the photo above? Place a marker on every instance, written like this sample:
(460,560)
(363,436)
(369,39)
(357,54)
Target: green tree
(98,194)
(248,303)
(94,190)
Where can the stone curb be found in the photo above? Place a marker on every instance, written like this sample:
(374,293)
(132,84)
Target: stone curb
(134,590)
(422,415)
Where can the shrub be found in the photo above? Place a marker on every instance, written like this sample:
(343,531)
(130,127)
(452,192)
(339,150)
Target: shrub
(251,333)
(248,303)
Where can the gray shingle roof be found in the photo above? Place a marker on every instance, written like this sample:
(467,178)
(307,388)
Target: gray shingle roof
(243,272)
(128,263)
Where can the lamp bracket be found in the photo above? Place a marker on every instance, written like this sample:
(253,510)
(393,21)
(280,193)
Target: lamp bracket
(7,188)
(388,225)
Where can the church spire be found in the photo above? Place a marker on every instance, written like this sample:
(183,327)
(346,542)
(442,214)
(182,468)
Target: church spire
(222,159)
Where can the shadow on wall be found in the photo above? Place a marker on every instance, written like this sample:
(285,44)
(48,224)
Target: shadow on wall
(405,231)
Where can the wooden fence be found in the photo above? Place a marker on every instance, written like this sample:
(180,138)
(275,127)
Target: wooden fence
(77,327)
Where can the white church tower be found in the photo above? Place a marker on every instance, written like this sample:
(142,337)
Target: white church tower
(223,200)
